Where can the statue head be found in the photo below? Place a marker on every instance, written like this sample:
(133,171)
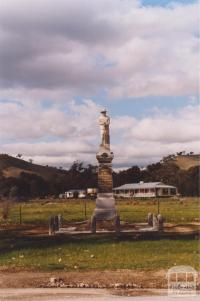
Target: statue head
(104,112)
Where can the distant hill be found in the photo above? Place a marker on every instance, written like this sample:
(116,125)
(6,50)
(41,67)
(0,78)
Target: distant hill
(13,167)
(25,179)
(185,162)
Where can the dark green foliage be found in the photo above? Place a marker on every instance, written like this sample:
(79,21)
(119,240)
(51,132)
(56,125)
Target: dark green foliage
(131,175)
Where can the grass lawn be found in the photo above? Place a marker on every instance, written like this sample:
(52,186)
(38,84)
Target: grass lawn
(129,210)
(62,253)
(54,252)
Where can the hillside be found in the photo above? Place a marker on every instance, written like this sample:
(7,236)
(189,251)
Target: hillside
(13,167)
(25,179)
(185,162)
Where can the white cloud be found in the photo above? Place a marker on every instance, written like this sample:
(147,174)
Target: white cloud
(148,139)
(53,49)
(169,128)
(55,137)
(57,51)
(32,121)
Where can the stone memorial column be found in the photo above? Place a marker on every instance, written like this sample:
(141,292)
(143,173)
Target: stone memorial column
(105,202)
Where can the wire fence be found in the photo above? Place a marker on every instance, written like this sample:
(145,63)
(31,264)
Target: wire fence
(80,210)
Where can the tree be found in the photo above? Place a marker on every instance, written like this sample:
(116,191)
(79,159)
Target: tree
(14,193)
(77,166)
(34,188)
(5,210)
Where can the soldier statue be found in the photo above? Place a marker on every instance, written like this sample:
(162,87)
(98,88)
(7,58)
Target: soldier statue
(104,122)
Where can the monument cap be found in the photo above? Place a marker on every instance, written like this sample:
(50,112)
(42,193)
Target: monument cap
(104,110)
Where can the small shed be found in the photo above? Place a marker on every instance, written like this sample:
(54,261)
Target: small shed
(75,193)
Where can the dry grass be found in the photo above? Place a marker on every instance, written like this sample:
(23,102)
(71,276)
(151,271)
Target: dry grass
(186,162)
(15,172)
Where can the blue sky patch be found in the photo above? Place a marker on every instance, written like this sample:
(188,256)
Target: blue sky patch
(165,2)
(143,106)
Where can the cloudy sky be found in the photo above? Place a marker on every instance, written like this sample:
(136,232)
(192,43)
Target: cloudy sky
(62,61)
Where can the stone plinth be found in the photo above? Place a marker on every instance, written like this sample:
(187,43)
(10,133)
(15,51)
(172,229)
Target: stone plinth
(105,207)
(105,181)
(105,202)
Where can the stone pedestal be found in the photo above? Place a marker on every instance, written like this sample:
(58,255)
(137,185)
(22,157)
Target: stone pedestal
(105,202)
(150,219)
(160,222)
(105,207)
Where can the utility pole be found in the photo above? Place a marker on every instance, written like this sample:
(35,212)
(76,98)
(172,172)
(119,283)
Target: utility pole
(158,206)
(85,203)
(20,214)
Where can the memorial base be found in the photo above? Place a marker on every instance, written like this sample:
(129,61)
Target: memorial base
(105,207)
(105,211)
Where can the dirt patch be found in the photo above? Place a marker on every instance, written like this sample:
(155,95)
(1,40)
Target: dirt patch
(120,282)
(17,278)
(25,229)
(182,228)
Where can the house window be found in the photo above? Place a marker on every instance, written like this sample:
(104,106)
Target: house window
(173,191)
(165,191)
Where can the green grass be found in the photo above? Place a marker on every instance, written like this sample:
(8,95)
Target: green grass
(131,211)
(51,253)
(62,253)
(172,210)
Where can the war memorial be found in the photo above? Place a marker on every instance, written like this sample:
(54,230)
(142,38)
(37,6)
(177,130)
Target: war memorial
(104,250)
(105,214)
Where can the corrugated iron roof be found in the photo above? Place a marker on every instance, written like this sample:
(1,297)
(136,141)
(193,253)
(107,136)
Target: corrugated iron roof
(148,185)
